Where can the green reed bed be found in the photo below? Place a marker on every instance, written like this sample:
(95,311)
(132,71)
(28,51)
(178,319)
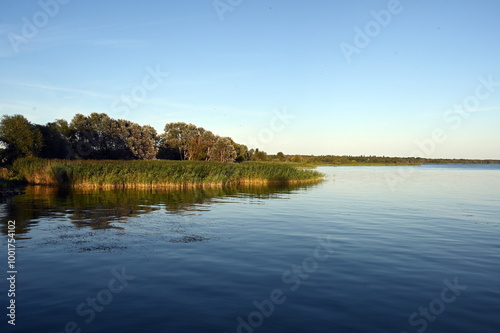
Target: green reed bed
(157,173)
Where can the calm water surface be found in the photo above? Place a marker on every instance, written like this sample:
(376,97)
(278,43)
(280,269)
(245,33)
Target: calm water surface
(370,249)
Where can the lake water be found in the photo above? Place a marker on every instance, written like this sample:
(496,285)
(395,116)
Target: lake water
(370,249)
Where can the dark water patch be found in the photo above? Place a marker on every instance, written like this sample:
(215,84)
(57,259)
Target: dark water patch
(189,239)
(103,248)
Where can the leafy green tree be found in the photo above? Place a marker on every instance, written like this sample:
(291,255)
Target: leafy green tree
(259,155)
(139,140)
(251,154)
(242,153)
(178,135)
(280,156)
(100,137)
(199,144)
(19,137)
(190,142)
(222,151)
(95,137)
(56,142)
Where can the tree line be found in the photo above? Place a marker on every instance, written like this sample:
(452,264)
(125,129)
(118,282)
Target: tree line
(355,160)
(98,136)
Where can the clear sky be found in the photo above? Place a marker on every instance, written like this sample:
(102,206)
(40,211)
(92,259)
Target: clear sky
(393,78)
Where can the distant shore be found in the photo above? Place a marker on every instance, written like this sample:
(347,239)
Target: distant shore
(348,160)
(372,164)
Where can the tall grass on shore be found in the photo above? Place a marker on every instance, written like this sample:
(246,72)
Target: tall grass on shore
(157,173)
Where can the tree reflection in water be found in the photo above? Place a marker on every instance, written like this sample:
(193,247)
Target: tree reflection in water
(100,209)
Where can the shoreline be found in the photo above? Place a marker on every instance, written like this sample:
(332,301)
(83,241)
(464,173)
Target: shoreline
(160,186)
(158,174)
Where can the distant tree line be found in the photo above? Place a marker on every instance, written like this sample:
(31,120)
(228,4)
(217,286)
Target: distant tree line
(99,136)
(348,159)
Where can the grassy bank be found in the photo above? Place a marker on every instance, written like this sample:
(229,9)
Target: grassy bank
(157,174)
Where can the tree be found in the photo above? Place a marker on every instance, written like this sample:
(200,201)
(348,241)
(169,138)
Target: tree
(96,137)
(56,142)
(251,154)
(199,144)
(139,140)
(242,152)
(280,156)
(150,137)
(19,137)
(100,137)
(177,136)
(259,155)
(222,151)
(190,142)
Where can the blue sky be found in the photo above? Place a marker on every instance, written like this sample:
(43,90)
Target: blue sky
(275,74)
